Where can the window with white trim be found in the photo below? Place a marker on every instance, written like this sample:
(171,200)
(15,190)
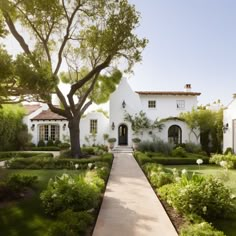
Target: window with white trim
(180,104)
(93,126)
(47,132)
(151,104)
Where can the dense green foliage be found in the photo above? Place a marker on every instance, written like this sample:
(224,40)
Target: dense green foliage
(210,124)
(14,186)
(92,37)
(201,229)
(204,196)
(42,162)
(220,159)
(11,128)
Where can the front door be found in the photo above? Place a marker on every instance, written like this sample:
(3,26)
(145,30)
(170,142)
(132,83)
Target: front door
(123,135)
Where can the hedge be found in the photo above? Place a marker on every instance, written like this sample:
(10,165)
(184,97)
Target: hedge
(46,148)
(55,163)
(23,154)
(143,158)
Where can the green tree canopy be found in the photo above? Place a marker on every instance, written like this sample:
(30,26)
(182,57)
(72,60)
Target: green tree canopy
(94,34)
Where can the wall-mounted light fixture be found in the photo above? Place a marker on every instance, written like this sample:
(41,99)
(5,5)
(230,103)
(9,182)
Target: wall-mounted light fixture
(225,127)
(113,126)
(32,127)
(64,127)
(123,104)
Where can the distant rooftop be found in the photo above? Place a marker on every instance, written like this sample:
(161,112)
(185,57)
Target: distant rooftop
(48,115)
(31,108)
(168,93)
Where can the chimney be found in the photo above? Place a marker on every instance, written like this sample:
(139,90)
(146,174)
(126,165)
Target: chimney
(187,88)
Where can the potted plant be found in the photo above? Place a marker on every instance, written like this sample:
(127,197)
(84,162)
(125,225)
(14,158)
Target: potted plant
(136,141)
(111,142)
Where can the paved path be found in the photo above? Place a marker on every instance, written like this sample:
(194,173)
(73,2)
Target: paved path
(130,206)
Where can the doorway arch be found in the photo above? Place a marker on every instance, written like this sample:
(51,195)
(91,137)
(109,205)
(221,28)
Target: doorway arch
(175,134)
(123,135)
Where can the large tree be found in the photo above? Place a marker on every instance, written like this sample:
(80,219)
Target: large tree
(94,34)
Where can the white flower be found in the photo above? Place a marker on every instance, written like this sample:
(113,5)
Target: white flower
(76,166)
(223,163)
(54,195)
(184,171)
(232,196)
(199,161)
(204,209)
(90,165)
(177,179)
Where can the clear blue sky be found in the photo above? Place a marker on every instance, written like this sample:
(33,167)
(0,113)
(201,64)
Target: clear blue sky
(190,41)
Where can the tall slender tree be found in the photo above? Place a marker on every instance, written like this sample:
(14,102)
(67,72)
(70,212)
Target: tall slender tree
(96,34)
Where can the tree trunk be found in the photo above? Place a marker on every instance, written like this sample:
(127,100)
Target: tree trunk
(75,138)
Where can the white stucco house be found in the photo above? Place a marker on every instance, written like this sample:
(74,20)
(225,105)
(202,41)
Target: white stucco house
(44,124)
(229,126)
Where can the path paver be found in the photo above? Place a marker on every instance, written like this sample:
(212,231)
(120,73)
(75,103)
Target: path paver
(130,206)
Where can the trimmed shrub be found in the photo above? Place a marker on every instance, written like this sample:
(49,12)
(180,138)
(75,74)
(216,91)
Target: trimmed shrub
(64,146)
(228,150)
(179,152)
(46,148)
(50,143)
(203,228)
(8,155)
(41,143)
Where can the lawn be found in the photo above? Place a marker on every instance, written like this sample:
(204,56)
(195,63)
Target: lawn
(26,217)
(229,177)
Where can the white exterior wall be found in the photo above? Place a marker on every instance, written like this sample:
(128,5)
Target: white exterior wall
(166,105)
(102,128)
(228,118)
(133,105)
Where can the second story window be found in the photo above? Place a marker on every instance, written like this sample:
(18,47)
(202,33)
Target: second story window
(93,126)
(151,104)
(180,104)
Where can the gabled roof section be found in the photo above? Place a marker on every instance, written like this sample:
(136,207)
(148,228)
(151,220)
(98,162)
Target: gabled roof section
(31,108)
(175,93)
(48,115)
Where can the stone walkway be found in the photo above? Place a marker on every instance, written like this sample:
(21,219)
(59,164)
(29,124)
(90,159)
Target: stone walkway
(130,206)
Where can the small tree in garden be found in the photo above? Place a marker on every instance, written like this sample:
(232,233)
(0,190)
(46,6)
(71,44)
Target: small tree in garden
(91,36)
(140,122)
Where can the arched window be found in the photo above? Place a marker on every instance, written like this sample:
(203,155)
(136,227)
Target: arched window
(175,134)
(47,132)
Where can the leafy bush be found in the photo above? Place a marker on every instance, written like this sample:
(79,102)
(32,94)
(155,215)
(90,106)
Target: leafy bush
(111,140)
(228,150)
(71,223)
(155,146)
(158,175)
(64,146)
(57,142)
(200,229)
(8,155)
(41,143)
(88,150)
(206,197)
(50,143)
(12,187)
(193,148)
(67,192)
(179,152)
(218,158)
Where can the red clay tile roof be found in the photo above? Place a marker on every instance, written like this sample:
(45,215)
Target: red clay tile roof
(31,108)
(48,115)
(168,93)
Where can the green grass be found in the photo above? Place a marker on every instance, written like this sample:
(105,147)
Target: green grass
(229,177)
(26,217)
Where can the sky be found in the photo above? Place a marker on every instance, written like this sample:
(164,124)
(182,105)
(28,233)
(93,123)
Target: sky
(190,41)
